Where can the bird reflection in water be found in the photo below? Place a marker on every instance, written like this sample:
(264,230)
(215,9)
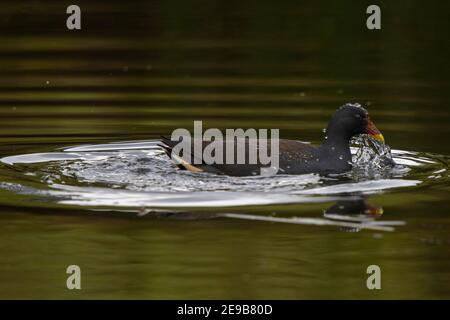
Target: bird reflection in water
(353,210)
(350,215)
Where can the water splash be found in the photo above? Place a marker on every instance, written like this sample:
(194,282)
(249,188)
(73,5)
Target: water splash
(371,157)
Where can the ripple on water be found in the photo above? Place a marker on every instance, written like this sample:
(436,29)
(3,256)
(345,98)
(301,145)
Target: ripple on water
(127,175)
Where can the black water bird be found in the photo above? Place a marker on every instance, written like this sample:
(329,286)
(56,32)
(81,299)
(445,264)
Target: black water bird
(332,156)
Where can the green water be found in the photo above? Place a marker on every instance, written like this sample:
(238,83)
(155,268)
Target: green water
(141,70)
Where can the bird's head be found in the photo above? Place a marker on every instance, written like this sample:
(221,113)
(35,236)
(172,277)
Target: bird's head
(350,120)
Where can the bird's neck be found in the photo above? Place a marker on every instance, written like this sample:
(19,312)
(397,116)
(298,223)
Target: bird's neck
(336,144)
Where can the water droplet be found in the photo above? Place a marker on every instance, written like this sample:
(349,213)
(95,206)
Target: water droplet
(333,148)
(324,130)
(341,157)
(47,82)
(326,137)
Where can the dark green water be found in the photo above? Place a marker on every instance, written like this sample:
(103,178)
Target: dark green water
(141,70)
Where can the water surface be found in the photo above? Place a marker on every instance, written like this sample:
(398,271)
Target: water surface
(139,228)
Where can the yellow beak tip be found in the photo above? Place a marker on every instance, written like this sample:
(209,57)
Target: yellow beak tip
(378,137)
